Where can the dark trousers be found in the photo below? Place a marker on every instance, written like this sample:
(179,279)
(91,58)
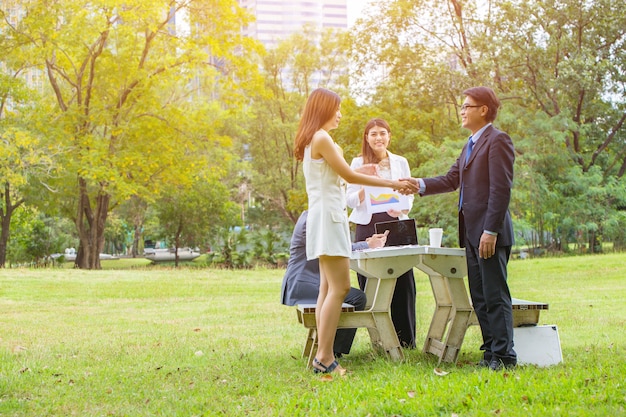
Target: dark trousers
(492,301)
(403,301)
(345,337)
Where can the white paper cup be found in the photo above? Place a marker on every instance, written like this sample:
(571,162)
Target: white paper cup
(435,236)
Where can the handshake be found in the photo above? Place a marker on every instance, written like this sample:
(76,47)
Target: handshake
(404,186)
(407,186)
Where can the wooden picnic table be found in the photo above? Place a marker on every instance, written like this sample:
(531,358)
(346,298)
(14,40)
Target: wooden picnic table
(445,268)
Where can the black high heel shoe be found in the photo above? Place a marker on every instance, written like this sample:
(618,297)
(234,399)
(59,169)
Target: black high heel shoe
(325,369)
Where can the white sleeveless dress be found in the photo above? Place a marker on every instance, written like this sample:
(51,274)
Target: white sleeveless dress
(327,228)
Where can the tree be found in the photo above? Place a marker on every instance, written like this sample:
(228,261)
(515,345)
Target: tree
(292,70)
(126,78)
(35,236)
(190,214)
(558,67)
(568,57)
(134,211)
(24,162)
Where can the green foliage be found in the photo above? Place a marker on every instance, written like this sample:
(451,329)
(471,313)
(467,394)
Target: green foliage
(35,236)
(439,210)
(117,235)
(297,65)
(240,248)
(130,95)
(234,251)
(126,106)
(556,68)
(189,215)
(269,246)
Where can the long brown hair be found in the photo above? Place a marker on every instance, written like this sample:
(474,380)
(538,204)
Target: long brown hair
(369,157)
(320,107)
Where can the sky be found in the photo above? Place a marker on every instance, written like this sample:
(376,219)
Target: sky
(354,9)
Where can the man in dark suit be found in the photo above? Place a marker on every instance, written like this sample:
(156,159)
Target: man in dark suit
(484,172)
(301,282)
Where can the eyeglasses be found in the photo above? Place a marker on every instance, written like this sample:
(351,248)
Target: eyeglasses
(467,106)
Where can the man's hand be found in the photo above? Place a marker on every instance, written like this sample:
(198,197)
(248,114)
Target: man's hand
(487,247)
(377,240)
(410,186)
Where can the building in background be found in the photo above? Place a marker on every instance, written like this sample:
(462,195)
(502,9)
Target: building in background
(33,77)
(277,19)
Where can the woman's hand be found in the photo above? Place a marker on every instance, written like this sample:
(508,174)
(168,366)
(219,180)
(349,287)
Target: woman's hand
(394,213)
(368,169)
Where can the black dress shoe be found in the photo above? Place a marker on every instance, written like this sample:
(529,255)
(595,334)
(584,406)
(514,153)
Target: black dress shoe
(499,364)
(485,361)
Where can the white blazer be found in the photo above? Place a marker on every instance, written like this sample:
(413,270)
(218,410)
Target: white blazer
(399,169)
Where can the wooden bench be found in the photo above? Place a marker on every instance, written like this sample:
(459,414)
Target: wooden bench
(378,323)
(306,316)
(525,313)
(534,344)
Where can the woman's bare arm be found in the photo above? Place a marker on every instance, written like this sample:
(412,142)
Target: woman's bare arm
(323,146)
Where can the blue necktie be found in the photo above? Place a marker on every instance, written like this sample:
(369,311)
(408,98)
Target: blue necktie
(470,145)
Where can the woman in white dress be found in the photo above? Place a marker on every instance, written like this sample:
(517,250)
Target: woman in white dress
(327,229)
(376,139)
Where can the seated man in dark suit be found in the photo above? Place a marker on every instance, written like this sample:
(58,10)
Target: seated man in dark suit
(301,282)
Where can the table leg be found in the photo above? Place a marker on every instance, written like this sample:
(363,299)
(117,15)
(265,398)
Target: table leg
(459,321)
(388,336)
(452,315)
(310,347)
(380,327)
(443,313)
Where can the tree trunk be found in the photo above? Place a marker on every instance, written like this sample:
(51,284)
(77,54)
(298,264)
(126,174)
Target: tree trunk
(138,209)
(5,221)
(136,236)
(90,226)
(594,242)
(179,232)
(4,234)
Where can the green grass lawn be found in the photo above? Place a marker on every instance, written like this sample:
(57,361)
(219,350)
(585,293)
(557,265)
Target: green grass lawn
(159,341)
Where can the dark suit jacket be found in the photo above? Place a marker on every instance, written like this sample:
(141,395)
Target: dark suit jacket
(487,179)
(301,282)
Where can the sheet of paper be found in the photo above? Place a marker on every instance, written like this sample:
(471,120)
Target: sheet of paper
(380,199)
